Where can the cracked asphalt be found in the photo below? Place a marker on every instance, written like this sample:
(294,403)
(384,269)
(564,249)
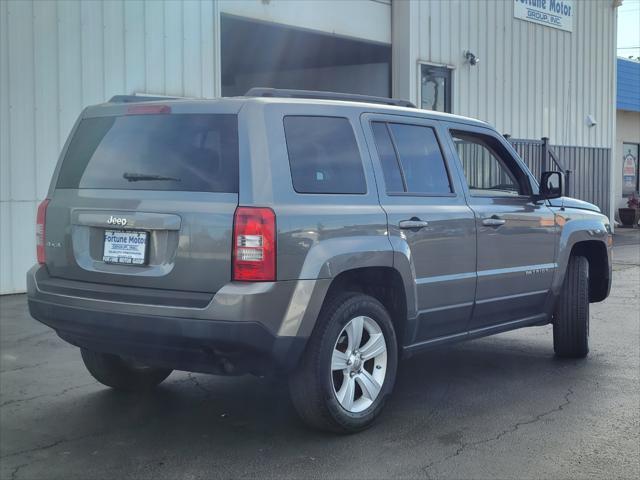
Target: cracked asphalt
(499,407)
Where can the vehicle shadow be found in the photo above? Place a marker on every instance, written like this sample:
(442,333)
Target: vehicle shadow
(209,405)
(242,425)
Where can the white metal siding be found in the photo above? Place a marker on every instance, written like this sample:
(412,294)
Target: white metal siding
(56,57)
(532,80)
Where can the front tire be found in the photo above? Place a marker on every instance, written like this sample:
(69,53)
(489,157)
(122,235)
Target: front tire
(349,366)
(571,317)
(121,374)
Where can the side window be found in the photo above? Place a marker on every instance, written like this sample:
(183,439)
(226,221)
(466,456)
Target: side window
(323,155)
(419,162)
(489,170)
(388,158)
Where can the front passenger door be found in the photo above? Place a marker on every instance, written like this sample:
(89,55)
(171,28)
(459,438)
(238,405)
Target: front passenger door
(516,235)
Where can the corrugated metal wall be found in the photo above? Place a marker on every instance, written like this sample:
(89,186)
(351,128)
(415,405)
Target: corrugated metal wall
(532,81)
(590,177)
(589,168)
(57,57)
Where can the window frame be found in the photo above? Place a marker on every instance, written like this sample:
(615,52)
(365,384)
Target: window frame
(448,99)
(524,178)
(355,140)
(407,121)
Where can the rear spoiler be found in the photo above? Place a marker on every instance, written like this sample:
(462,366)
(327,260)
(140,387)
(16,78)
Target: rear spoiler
(140,98)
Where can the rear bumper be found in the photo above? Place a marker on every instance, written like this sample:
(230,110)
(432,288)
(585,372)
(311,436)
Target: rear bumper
(236,333)
(179,343)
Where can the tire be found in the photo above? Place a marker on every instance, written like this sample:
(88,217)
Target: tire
(120,374)
(571,317)
(318,380)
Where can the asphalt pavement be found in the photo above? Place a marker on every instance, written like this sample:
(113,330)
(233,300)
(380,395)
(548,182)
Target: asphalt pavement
(499,407)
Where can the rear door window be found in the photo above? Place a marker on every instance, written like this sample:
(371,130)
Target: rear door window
(324,155)
(412,161)
(181,152)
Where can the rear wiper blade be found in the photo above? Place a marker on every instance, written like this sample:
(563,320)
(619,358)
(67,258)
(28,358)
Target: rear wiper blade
(138,177)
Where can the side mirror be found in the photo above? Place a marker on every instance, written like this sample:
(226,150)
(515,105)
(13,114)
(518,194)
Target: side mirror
(551,185)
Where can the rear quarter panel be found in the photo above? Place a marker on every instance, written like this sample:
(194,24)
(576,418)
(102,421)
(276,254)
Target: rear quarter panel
(319,235)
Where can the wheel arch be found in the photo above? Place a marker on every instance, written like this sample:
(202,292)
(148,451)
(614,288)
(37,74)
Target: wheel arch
(586,234)
(384,284)
(596,254)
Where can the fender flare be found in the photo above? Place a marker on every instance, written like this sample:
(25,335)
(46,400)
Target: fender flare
(323,263)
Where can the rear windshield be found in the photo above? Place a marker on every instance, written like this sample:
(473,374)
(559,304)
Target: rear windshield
(186,152)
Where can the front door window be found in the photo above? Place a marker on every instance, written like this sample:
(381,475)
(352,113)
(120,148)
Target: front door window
(488,169)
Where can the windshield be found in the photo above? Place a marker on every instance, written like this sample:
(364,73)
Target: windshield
(190,152)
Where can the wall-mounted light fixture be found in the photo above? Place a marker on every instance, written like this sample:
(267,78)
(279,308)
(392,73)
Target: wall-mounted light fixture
(471,58)
(591,121)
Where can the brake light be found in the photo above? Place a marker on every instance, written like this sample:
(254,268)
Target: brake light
(41,219)
(254,245)
(148,109)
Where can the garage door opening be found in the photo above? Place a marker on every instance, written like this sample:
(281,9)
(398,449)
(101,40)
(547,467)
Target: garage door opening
(260,54)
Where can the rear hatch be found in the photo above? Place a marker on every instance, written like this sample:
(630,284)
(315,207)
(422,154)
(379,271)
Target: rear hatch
(145,197)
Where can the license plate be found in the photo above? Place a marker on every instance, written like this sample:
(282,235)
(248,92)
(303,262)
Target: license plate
(125,246)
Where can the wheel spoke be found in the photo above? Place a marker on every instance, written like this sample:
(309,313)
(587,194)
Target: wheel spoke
(370,387)
(354,332)
(374,347)
(347,392)
(338,360)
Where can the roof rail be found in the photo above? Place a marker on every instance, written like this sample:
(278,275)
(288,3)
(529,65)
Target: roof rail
(138,98)
(320,95)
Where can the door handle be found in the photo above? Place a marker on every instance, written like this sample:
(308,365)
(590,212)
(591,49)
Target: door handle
(494,221)
(414,223)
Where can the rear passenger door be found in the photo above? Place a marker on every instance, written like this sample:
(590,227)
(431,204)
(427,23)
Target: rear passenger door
(431,227)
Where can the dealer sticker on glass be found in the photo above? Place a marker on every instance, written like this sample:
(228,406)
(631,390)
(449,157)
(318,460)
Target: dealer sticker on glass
(126,247)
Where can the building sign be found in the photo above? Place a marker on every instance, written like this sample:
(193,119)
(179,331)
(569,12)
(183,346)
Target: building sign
(552,13)
(629,168)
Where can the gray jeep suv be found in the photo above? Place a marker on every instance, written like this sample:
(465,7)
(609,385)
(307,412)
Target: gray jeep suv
(309,234)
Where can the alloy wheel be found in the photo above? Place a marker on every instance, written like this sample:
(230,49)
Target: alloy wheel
(359,364)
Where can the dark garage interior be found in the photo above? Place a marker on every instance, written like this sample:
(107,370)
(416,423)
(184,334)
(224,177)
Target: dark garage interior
(259,54)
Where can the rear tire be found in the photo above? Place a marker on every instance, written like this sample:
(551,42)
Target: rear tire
(571,317)
(120,374)
(349,367)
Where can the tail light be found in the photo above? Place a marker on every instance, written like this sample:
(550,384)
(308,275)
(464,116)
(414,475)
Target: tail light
(41,220)
(254,245)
